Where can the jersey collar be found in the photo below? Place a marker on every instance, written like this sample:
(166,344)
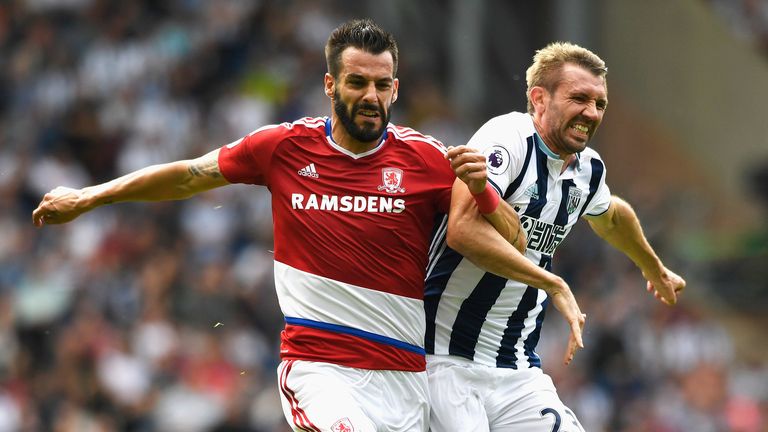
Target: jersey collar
(543,147)
(332,142)
(552,155)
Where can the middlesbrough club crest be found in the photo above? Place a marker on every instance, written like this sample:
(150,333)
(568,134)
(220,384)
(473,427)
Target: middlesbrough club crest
(343,425)
(391,178)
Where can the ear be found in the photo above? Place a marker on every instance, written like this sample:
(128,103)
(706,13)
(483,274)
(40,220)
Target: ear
(395,86)
(329,84)
(538,97)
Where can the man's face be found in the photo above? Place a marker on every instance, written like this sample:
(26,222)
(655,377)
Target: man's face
(570,115)
(364,93)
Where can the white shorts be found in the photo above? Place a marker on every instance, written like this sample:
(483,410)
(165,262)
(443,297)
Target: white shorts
(327,397)
(469,397)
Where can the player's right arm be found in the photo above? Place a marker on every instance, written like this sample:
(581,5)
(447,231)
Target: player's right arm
(470,167)
(170,181)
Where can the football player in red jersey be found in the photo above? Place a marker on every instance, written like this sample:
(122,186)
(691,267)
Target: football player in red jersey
(359,195)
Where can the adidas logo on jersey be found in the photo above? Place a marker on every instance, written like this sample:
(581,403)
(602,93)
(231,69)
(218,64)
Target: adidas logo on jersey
(532,191)
(309,171)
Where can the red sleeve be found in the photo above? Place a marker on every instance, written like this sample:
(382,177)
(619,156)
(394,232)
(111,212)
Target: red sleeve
(445,178)
(248,160)
(441,174)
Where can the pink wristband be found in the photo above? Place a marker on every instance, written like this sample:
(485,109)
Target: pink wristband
(487,200)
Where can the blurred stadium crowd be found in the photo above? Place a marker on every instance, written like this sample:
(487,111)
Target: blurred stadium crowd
(162,317)
(746,19)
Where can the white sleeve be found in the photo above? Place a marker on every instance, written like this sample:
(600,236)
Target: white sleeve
(501,143)
(602,199)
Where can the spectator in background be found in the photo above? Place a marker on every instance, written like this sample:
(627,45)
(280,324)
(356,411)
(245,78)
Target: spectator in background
(747,20)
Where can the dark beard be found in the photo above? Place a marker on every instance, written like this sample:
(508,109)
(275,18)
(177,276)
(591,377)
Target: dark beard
(363,134)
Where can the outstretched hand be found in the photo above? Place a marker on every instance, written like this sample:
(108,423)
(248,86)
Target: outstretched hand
(666,286)
(58,206)
(469,165)
(564,301)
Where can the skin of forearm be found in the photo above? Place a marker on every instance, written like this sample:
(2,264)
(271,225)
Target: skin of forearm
(625,233)
(505,261)
(171,181)
(472,236)
(504,219)
(507,224)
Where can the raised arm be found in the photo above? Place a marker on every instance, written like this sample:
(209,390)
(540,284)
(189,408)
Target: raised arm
(170,181)
(471,235)
(470,168)
(620,227)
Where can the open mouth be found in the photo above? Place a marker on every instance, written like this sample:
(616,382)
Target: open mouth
(582,128)
(371,114)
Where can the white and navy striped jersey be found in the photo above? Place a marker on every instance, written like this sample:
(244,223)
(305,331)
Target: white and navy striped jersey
(484,317)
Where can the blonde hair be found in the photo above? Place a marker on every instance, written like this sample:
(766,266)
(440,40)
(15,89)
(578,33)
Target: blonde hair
(549,61)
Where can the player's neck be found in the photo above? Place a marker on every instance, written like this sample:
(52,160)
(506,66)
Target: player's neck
(568,161)
(567,158)
(343,139)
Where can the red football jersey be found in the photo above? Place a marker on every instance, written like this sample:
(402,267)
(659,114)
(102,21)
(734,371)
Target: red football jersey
(351,234)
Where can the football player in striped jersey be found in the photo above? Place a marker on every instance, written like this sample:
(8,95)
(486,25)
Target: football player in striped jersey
(484,309)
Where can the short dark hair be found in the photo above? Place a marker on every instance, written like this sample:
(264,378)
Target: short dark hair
(363,34)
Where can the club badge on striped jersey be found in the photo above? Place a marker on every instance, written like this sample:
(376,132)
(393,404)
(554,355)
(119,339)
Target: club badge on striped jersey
(498,159)
(574,199)
(391,179)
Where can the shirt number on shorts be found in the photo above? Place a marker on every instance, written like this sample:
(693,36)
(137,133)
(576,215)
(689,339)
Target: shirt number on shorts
(552,411)
(556,415)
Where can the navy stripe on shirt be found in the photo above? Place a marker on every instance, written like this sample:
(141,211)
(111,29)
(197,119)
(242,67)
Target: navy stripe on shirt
(507,356)
(472,314)
(536,204)
(433,290)
(594,182)
(519,179)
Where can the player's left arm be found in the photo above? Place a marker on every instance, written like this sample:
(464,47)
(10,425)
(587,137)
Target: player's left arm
(620,227)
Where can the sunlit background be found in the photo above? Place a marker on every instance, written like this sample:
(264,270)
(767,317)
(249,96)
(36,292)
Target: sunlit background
(162,317)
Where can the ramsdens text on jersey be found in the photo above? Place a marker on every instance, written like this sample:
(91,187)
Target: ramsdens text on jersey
(542,236)
(347,203)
